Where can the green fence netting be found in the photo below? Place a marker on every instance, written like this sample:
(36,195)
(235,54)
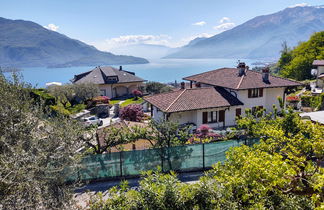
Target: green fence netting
(129,163)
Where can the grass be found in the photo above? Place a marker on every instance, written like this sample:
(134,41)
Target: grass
(112,102)
(132,101)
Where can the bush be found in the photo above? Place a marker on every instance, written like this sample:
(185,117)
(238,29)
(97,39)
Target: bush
(132,112)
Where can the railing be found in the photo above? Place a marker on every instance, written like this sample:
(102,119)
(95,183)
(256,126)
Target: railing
(193,157)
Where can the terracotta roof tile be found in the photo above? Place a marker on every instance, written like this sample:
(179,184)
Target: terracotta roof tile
(318,63)
(193,99)
(229,78)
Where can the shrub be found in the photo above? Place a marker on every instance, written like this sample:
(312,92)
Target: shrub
(101,100)
(132,112)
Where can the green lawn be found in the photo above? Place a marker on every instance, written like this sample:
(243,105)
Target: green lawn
(112,102)
(131,101)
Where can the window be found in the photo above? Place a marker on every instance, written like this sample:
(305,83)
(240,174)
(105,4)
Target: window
(103,92)
(255,109)
(210,117)
(255,93)
(238,112)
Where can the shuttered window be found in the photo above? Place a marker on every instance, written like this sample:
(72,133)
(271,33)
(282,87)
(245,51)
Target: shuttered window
(221,116)
(238,112)
(205,117)
(260,92)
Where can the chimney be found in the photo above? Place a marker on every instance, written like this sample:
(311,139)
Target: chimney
(265,74)
(182,85)
(241,68)
(120,68)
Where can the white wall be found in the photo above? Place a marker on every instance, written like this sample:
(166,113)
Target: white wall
(157,114)
(320,70)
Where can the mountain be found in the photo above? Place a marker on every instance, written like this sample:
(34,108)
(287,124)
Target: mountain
(27,44)
(260,37)
(150,51)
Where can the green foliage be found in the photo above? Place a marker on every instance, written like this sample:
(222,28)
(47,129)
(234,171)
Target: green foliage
(297,63)
(132,101)
(281,172)
(40,94)
(156,87)
(312,101)
(34,151)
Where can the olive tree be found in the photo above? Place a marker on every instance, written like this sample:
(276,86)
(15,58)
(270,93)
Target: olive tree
(35,151)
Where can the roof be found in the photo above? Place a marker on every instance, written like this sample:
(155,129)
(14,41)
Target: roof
(193,99)
(99,76)
(314,116)
(229,78)
(318,63)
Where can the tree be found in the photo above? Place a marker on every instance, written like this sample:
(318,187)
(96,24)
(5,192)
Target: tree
(137,94)
(132,112)
(297,63)
(156,87)
(35,151)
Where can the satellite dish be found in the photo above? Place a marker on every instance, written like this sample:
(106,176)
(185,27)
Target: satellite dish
(314,72)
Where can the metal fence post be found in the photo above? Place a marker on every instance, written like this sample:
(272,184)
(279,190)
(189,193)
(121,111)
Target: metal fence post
(120,163)
(203,155)
(162,158)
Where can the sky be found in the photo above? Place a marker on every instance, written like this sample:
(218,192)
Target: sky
(109,24)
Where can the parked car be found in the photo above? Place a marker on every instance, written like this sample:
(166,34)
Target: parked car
(93,120)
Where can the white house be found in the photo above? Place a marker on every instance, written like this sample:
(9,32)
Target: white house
(216,97)
(112,82)
(319,64)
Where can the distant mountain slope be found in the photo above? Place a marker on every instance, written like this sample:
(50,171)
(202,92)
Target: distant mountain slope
(150,51)
(260,37)
(27,44)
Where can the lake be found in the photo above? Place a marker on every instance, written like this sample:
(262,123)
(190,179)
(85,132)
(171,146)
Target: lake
(161,70)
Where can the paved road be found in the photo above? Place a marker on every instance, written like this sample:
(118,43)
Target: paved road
(133,182)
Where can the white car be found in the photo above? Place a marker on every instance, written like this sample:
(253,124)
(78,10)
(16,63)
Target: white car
(93,120)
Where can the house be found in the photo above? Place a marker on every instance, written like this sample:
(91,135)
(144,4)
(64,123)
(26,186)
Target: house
(217,97)
(317,117)
(112,82)
(319,64)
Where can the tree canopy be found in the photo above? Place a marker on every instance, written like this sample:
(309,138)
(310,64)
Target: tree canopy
(297,63)
(35,150)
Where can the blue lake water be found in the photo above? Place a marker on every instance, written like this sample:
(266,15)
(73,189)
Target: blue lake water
(161,70)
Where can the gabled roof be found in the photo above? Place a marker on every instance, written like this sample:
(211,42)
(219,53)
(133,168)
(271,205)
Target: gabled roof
(318,63)
(193,99)
(100,74)
(229,78)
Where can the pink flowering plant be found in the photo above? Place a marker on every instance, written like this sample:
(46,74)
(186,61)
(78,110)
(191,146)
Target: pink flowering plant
(132,112)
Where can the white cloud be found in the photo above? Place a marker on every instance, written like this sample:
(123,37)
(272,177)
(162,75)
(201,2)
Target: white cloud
(121,41)
(224,20)
(224,26)
(52,27)
(201,23)
(299,5)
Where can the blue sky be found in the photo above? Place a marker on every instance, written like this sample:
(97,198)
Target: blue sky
(110,23)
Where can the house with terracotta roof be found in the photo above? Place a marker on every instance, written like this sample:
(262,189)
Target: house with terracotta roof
(319,64)
(217,97)
(112,82)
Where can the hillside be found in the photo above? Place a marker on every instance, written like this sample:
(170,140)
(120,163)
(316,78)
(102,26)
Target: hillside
(260,37)
(27,44)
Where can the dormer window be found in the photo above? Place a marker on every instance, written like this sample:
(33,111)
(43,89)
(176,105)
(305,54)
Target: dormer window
(112,78)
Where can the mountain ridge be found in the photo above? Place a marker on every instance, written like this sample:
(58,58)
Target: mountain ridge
(28,44)
(260,37)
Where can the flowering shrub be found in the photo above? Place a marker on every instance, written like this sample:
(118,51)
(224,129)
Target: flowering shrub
(203,135)
(132,112)
(137,93)
(292,98)
(101,99)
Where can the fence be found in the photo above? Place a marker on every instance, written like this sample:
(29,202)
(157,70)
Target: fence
(131,163)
